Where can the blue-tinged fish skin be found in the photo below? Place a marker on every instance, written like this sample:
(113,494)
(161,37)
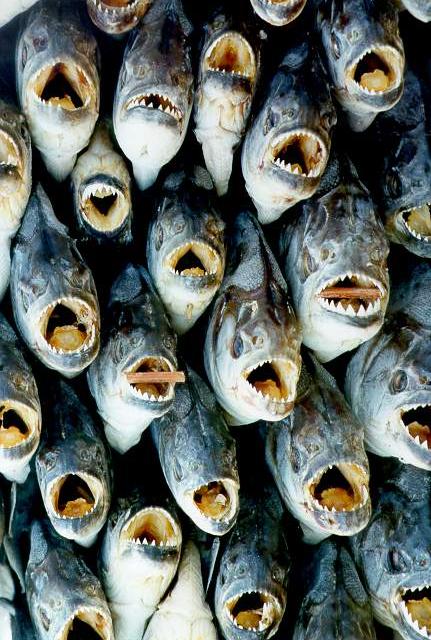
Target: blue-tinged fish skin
(420,9)
(118,17)
(54,298)
(278,13)
(287,146)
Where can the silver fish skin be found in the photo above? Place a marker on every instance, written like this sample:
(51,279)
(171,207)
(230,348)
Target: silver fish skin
(154,95)
(228,74)
(287,146)
(138,337)
(54,298)
(117,18)
(65,598)
(198,457)
(186,250)
(318,461)
(337,241)
(184,614)
(364,55)
(138,560)
(278,13)
(9,10)
(393,553)
(73,468)
(336,604)
(420,9)
(15,181)
(58,82)
(20,411)
(251,587)
(252,344)
(101,189)
(14,622)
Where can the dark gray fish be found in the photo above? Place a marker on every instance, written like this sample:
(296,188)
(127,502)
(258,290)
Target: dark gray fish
(364,55)
(318,461)
(228,73)
(337,242)
(65,599)
(117,16)
(102,191)
(9,10)
(251,588)
(286,149)
(335,604)
(58,81)
(186,247)
(54,298)
(138,560)
(20,412)
(2,519)
(154,96)
(73,468)
(15,181)
(393,553)
(278,12)
(198,457)
(138,338)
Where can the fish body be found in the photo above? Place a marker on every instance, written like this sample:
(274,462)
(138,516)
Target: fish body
(20,411)
(318,461)
(251,587)
(337,243)
(251,352)
(279,12)
(10,10)
(186,247)
(138,337)
(198,457)
(228,73)
(365,56)
(184,614)
(117,17)
(53,294)
(393,553)
(102,191)
(58,82)
(138,560)
(65,598)
(335,604)
(15,181)
(14,621)
(154,96)
(287,146)
(73,469)
(420,9)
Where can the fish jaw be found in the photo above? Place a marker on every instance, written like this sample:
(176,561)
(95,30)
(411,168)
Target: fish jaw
(278,12)
(203,514)
(409,227)
(97,619)
(117,18)
(19,437)
(419,9)
(238,620)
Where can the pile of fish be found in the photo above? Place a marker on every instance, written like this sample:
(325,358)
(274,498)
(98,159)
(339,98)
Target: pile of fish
(215,327)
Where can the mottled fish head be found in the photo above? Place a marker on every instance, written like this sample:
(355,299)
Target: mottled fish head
(339,246)
(117,16)
(365,53)
(278,12)
(393,553)
(420,9)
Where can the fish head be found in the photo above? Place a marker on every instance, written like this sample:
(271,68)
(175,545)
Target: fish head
(278,12)
(117,16)
(342,245)
(420,9)
(364,52)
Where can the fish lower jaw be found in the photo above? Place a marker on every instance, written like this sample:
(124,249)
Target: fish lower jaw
(409,619)
(421,216)
(231,55)
(377,71)
(272,381)
(414,420)
(368,303)
(97,619)
(157,102)
(86,346)
(149,397)
(152,527)
(67,327)
(114,10)
(300,152)
(338,488)
(194,260)
(255,610)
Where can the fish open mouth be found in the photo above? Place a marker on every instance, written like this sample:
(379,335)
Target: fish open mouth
(87,623)
(377,70)
(300,153)
(74,495)
(272,380)
(152,527)
(103,206)
(231,54)
(254,611)
(10,158)
(417,221)
(415,606)
(152,391)
(417,422)
(157,102)
(64,85)
(339,488)
(194,259)
(67,326)
(118,6)
(351,294)
(214,500)
(17,424)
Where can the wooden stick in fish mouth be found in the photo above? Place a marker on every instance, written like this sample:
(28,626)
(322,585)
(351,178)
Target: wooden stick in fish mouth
(352,294)
(153,378)
(254,611)
(153,527)
(370,293)
(415,605)
(232,55)
(74,495)
(174,377)
(89,623)
(377,70)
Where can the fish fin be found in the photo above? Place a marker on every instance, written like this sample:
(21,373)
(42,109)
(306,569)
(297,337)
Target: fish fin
(215,551)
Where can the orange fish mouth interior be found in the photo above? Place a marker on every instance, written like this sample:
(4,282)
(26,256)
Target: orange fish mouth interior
(67,326)
(416,607)
(13,427)
(152,527)
(342,487)
(231,54)
(86,624)
(417,421)
(103,206)
(377,70)
(152,391)
(300,153)
(254,611)
(271,380)
(194,259)
(63,85)
(10,158)
(72,496)
(213,500)
(417,220)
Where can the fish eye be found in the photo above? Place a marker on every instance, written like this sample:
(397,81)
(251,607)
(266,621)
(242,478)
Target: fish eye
(24,55)
(324,253)
(237,346)
(335,45)
(398,561)
(40,43)
(308,262)
(394,184)
(399,381)
(278,574)
(159,237)
(295,459)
